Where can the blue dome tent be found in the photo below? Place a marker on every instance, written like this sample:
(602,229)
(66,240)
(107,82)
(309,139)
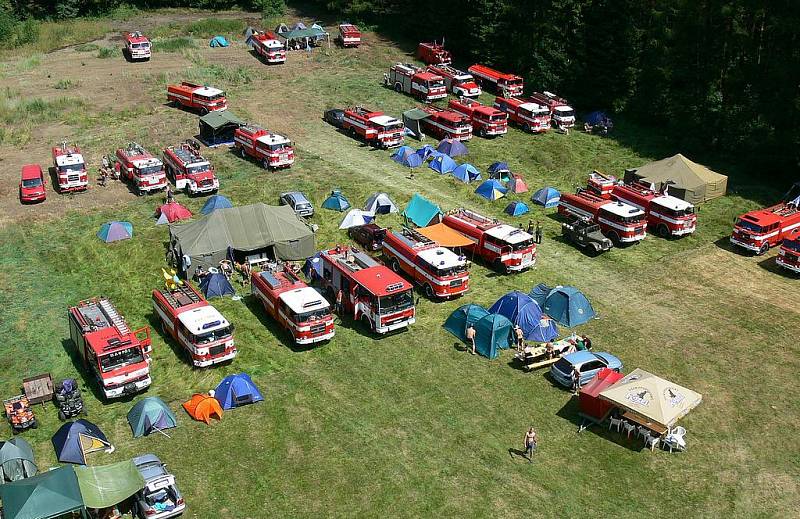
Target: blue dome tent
(517,208)
(466,173)
(491,189)
(566,305)
(547,197)
(426,151)
(74,440)
(522,310)
(407,157)
(452,147)
(218,41)
(237,390)
(597,117)
(216,285)
(443,164)
(215,202)
(336,201)
(500,171)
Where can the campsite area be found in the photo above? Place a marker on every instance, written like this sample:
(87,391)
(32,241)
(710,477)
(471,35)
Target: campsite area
(408,424)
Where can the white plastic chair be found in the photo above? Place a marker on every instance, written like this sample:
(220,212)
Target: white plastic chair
(615,422)
(642,432)
(651,441)
(628,428)
(675,439)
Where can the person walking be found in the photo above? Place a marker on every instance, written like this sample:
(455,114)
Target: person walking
(339,296)
(538,235)
(520,337)
(530,444)
(471,337)
(576,380)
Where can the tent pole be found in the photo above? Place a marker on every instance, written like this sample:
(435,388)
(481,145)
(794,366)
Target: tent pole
(162,432)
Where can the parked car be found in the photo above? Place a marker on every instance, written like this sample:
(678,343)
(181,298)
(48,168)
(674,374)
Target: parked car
(160,497)
(32,184)
(334,117)
(588,364)
(586,235)
(298,201)
(369,236)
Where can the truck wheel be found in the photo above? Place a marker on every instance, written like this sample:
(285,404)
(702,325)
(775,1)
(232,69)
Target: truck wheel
(61,415)
(203,111)
(395,265)
(482,133)
(265,163)
(527,128)
(614,237)
(663,231)
(34,424)
(398,88)
(499,267)
(594,250)
(365,322)
(428,291)
(764,249)
(164,330)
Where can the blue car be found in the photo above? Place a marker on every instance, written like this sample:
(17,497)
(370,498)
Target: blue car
(588,364)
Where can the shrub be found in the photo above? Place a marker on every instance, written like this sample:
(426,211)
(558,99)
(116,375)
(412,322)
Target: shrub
(173,44)
(107,52)
(64,84)
(26,32)
(7,24)
(270,8)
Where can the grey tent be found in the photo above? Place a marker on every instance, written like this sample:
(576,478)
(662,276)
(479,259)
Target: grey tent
(16,460)
(411,120)
(685,179)
(217,127)
(246,230)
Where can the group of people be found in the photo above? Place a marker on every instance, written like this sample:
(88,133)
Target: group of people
(535,230)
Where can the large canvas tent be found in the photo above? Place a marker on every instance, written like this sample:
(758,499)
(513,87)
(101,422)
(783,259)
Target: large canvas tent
(108,485)
(49,495)
(421,211)
(411,120)
(685,179)
(74,440)
(218,127)
(16,460)
(149,415)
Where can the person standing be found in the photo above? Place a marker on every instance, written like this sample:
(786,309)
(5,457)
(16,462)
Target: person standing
(520,337)
(339,296)
(538,235)
(530,444)
(529,230)
(471,337)
(576,380)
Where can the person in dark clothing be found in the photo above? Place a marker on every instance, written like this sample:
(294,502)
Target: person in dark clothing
(538,235)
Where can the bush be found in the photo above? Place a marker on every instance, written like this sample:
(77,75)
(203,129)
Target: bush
(7,24)
(64,84)
(107,52)
(173,44)
(26,32)
(270,8)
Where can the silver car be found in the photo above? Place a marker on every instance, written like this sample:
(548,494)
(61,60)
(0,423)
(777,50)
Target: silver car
(160,498)
(298,201)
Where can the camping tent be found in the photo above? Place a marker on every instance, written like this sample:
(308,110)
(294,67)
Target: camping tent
(517,184)
(411,120)
(109,485)
(547,197)
(443,164)
(517,208)
(521,310)
(218,41)
(356,217)
(589,402)
(216,285)
(445,236)
(492,333)
(203,407)
(217,127)
(462,317)
(74,440)
(500,171)
(149,415)
(115,231)
(685,179)
(467,173)
(491,190)
(380,203)
(793,193)
(452,147)
(16,460)
(172,212)
(49,495)
(652,397)
(237,390)
(215,202)
(312,268)
(407,156)
(567,305)
(426,151)
(336,201)
(421,211)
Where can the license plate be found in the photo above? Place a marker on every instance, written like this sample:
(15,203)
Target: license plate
(216,350)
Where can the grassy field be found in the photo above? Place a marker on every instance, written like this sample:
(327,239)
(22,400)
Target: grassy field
(409,425)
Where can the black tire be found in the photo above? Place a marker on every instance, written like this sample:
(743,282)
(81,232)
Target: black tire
(164,330)
(34,424)
(663,231)
(366,323)
(61,415)
(764,249)
(265,163)
(498,266)
(527,128)
(428,289)
(593,250)
(614,237)
(15,431)
(203,111)
(395,265)
(482,133)
(353,133)
(398,88)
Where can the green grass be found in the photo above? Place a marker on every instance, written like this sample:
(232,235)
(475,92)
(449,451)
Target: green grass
(87,47)
(48,36)
(202,28)
(177,44)
(107,52)
(66,84)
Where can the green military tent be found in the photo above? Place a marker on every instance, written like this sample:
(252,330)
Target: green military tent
(685,179)
(422,212)
(108,485)
(151,414)
(411,120)
(16,460)
(217,127)
(493,332)
(49,495)
(250,230)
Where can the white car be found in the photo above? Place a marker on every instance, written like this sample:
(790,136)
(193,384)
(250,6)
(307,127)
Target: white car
(160,497)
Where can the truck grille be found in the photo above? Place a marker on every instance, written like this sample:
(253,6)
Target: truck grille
(73,178)
(318,329)
(206,182)
(216,350)
(456,282)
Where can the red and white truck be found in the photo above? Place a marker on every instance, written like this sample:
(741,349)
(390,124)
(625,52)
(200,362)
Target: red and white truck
(349,35)
(117,357)
(601,183)
(446,124)
(789,253)
(70,168)
(197,97)
(439,271)
(194,324)
(456,81)
(137,46)
(271,149)
(620,222)
(486,120)
(432,53)
(140,169)
(500,83)
(561,113)
(269,47)
(373,127)
(295,306)
(761,229)
(666,214)
(370,292)
(527,114)
(505,247)
(425,86)
(189,171)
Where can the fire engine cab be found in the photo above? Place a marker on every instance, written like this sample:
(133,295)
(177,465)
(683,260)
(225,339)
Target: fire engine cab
(137,46)
(561,113)
(268,46)
(602,184)
(434,54)
(502,84)
(620,222)
(789,254)
(486,120)
(197,97)
(666,215)
(349,35)
(140,169)
(298,308)
(194,324)
(118,358)
(271,149)
(529,115)
(446,124)
(761,229)
(506,248)
(457,81)
(70,168)
(370,292)
(189,171)
(425,86)
(373,127)
(441,272)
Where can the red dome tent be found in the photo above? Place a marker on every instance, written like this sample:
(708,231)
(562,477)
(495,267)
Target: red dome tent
(591,407)
(172,212)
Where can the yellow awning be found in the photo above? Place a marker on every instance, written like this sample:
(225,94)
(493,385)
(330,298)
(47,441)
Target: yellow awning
(445,236)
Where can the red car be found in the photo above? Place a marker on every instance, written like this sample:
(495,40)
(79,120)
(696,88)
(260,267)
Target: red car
(32,185)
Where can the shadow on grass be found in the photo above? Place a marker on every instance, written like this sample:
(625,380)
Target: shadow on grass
(257,309)
(158,327)
(570,411)
(770,265)
(725,244)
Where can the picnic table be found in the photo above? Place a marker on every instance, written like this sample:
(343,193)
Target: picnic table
(534,357)
(638,419)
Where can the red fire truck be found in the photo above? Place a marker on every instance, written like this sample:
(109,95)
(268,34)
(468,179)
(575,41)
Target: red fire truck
(502,84)
(271,149)
(298,308)
(506,248)
(529,115)
(194,324)
(789,254)
(620,222)
(137,46)
(118,358)
(374,127)
(203,98)
(486,120)
(666,215)
(761,229)
(456,81)
(189,171)
(349,35)
(434,54)
(441,272)
(425,86)
(602,184)
(370,292)
(70,168)
(269,47)
(140,169)
(446,124)
(561,113)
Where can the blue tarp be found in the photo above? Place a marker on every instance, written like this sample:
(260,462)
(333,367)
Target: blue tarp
(443,164)
(216,285)
(237,390)
(597,118)
(336,201)
(467,173)
(567,305)
(421,211)
(452,147)
(312,268)
(215,202)
(67,441)
(218,41)
(115,231)
(547,196)
(491,189)
(517,208)
(522,310)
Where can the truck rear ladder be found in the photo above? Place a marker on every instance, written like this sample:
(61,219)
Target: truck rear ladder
(114,317)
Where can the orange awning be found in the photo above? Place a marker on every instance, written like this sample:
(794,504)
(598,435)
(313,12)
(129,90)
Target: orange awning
(445,236)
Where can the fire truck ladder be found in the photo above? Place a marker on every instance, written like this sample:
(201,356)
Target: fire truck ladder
(114,316)
(417,236)
(182,295)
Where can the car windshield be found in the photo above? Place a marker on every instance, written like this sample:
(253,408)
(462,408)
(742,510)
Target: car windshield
(563,366)
(313,315)
(792,245)
(32,182)
(748,226)
(205,338)
(396,302)
(149,170)
(71,168)
(198,169)
(121,358)
(679,213)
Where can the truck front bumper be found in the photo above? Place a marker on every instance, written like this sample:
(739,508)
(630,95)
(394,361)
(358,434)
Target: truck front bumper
(312,340)
(744,245)
(684,231)
(793,267)
(128,389)
(395,326)
(204,363)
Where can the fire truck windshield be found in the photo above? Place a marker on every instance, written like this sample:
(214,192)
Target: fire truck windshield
(312,315)
(749,226)
(149,170)
(71,168)
(192,170)
(277,147)
(522,245)
(395,302)
(792,245)
(121,358)
(140,46)
(622,219)
(435,83)
(498,118)
(678,213)
(565,113)
(393,126)
(205,338)
(211,98)
(451,271)
(33,182)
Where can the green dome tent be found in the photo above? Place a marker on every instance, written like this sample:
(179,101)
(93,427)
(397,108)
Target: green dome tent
(149,415)
(493,332)
(16,460)
(50,494)
(462,317)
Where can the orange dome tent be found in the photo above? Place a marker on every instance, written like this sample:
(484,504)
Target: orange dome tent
(202,407)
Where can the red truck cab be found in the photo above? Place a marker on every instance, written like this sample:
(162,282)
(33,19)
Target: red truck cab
(189,171)
(349,35)
(433,53)
(666,215)
(268,46)
(137,46)
(487,121)
(620,222)
(789,254)
(70,168)
(446,124)
(273,150)
(373,127)
(501,83)
(197,97)
(407,78)
(138,167)
(527,114)
(32,184)
(761,229)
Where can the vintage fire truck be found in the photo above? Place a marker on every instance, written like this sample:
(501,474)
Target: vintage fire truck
(457,81)
(194,324)
(439,271)
(137,46)
(189,171)
(140,169)
(434,54)
(370,292)
(789,253)
(486,120)
(500,83)
(620,222)
(561,113)
(269,47)
(446,124)
(529,115)
(197,97)
(666,215)
(295,306)
(117,357)
(70,168)
(373,127)
(601,183)
(425,86)
(505,247)
(271,149)
(761,229)
(349,35)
